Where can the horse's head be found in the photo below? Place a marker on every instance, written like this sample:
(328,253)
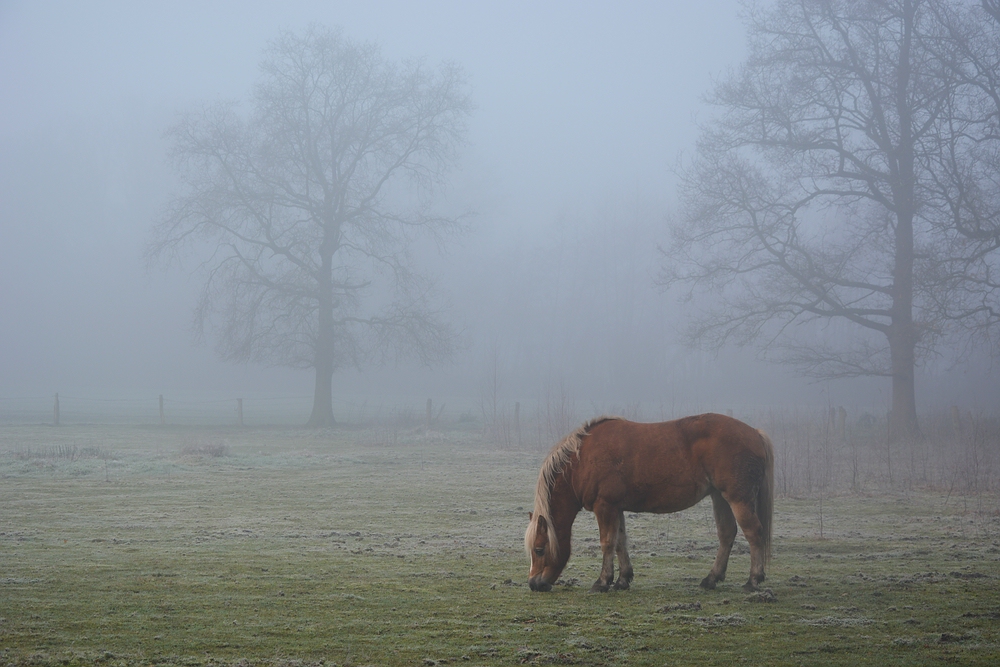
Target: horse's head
(547,560)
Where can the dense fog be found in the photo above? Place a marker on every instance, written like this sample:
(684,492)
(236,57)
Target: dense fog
(582,113)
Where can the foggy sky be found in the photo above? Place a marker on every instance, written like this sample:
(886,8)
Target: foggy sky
(582,112)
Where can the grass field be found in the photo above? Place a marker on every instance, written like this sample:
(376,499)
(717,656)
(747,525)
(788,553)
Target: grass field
(124,545)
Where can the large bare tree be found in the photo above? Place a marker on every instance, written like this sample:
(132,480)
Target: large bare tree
(829,213)
(308,206)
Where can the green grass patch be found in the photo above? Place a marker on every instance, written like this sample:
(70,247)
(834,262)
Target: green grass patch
(281,547)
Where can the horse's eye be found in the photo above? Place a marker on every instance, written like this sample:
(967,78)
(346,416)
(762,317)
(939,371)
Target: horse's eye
(539,551)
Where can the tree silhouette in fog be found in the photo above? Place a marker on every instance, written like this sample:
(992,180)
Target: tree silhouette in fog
(309,204)
(841,211)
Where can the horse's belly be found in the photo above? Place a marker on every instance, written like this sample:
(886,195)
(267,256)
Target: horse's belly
(640,478)
(661,497)
(665,500)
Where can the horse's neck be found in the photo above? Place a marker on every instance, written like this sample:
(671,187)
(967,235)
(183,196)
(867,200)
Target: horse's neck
(563,502)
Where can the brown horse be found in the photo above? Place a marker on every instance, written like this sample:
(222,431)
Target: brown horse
(611,466)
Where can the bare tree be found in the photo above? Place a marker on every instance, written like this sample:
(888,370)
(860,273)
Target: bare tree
(309,205)
(970,188)
(819,218)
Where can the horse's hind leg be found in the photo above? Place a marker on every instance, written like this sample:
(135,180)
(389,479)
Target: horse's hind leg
(608,519)
(754,532)
(725,525)
(625,571)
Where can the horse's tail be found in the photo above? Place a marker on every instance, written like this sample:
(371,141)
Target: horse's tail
(765,495)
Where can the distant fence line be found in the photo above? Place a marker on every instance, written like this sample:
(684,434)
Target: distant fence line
(514,423)
(529,423)
(248,410)
(161,409)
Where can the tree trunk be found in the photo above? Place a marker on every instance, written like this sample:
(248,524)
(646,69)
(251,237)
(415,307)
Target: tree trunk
(902,332)
(902,337)
(903,425)
(322,412)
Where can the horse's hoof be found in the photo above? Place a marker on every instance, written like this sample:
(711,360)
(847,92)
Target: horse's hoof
(750,586)
(708,583)
(621,585)
(599,588)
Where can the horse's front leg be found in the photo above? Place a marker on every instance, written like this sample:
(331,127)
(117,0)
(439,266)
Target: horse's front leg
(625,571)
(608,519)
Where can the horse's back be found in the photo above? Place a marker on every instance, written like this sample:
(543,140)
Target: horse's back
(700,436)
(665,466)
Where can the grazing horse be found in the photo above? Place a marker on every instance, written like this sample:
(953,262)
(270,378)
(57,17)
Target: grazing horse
(611,466)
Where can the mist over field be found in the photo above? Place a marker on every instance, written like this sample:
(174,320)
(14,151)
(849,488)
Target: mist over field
(564,181)
(294,297)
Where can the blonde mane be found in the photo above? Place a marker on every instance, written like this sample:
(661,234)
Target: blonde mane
(554,464)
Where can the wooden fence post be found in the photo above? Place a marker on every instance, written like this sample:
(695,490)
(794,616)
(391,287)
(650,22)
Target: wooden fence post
(239,410)
(162,420)
(55,411)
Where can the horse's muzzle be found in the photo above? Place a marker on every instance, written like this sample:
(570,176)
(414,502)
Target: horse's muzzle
(540,585)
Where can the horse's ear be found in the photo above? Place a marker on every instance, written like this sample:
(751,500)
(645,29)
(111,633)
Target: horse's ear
(530,515)
(542,523)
